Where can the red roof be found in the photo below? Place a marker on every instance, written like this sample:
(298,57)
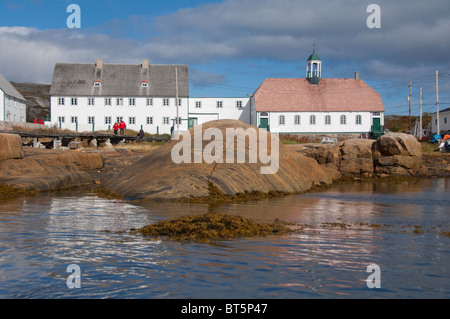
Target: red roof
(331,95)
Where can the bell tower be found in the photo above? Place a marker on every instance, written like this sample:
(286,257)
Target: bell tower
(314,68)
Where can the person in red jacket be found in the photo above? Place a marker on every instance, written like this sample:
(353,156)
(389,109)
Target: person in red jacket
(35,121)
(122,127)
(41,121)
(115,128)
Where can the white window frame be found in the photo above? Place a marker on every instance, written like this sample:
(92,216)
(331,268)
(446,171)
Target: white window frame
(198,104)
(312,120)
(297,120)
(149,120)
(219,104)
(108,101)
(149,101)
(327,119)
(132,101)
(132,120)
(166,102)
(91,119)
(108,120)
(343,119)
(282,120)
(166,120)
(91,101)
(74,101)
(61,101)
(239,104)
(358,119)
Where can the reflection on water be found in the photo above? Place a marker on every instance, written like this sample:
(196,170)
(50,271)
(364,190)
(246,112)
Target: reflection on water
(40,236)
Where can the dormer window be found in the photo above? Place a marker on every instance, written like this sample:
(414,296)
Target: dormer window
(97,83)
(144,84)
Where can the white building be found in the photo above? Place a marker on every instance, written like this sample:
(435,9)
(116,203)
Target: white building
(202,110)
(88,97)
(314,105)
(13,106)
(444,121)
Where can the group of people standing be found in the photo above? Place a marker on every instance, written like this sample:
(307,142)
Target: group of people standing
(41,121)
(119,126)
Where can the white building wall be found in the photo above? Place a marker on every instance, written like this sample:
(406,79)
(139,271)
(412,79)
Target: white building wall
(444,122)
(320,126)
(154,118)
(2,105)
(218,108)
(12,109)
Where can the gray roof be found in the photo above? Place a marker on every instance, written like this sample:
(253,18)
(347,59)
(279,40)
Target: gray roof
(73,79)
(9,89)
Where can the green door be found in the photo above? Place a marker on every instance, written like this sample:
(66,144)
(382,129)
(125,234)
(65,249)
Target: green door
(264,123)
(376,124)
(192,122)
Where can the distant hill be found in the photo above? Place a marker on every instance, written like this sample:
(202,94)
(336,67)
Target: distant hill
(38,99)
(400,123)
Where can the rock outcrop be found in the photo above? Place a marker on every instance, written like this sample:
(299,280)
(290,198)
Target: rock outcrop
(10,147)
(49,170)
(157,177)
(393,154)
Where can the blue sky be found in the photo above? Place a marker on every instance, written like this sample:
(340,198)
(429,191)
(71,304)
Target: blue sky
(231,46)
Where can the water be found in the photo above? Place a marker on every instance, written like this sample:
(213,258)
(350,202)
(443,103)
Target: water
(398,227)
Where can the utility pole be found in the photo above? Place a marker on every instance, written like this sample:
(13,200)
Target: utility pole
(177,102)
(410,91)
(437,103)
(420,122)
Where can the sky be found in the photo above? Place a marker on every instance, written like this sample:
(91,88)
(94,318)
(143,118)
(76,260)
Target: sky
(232,46)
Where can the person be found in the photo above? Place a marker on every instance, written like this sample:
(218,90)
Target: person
(116,128)
(141,133)
(122,127)
(35,121)
(41,121)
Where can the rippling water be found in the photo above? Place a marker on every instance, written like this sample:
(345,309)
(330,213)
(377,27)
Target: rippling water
(399,227)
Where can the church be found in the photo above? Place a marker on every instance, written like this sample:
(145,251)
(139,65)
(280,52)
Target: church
(314,105)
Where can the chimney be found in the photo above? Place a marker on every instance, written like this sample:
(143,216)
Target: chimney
(99,64)
(145,63)
(356,75)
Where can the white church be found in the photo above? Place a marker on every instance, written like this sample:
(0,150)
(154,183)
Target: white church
(88,97)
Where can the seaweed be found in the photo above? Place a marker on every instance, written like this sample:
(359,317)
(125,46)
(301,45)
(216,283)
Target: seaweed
(211,227)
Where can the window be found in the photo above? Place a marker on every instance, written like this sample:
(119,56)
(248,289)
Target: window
(108,101)
(281,120)
(445,120)
(166,120)
(343,120)
(74,119)
(327,119)
(166,102)
(91,101)
(74,101)
(179,102)
(149,102)
(97,83)
(119,102)
(376,114)
(239,104)
(312,120)
(61,119)
(358,120)
(198,104)
(297,120)
(179,120)
(119,119)
(144,84)
(149,120)
(132,120)
(61,101)
(219,104)
(132,102)
(91,119)
(108,120)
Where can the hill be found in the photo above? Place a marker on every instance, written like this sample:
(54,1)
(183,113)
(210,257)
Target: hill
(38,99)
(400,123)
